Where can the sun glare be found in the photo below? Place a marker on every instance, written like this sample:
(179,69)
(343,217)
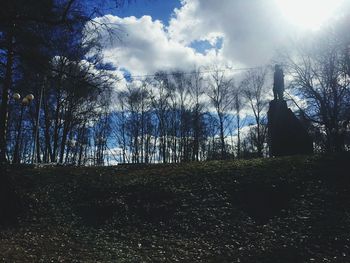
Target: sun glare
(308,14)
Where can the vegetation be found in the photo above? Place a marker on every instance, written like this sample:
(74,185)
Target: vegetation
(292,209)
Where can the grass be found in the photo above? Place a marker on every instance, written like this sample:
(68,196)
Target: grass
(293,209)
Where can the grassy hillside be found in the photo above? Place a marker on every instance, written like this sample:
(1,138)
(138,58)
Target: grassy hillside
(294,209)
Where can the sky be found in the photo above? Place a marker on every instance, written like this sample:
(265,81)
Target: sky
(151,35)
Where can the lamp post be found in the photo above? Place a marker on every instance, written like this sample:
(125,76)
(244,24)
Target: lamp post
(24,102)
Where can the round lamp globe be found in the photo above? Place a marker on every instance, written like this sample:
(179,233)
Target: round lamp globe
(16,96)
(30,97)
(25,101)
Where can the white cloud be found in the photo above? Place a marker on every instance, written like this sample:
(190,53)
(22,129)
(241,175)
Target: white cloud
(145,47)
(251,32)
(251,29)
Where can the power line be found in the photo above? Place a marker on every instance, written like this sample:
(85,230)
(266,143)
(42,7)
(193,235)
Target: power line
(138,77)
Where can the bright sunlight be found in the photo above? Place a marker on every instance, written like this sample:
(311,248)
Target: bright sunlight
(308,14)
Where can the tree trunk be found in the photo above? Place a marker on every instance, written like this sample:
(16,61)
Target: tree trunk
(65,133)
(5,94)
(238,136)
(222,138)
(16,154)
(259,146)
(48,150)
(56,128)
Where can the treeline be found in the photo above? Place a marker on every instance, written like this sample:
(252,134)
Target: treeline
(180,117)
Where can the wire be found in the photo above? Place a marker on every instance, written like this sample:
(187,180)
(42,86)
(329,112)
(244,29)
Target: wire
(136,77)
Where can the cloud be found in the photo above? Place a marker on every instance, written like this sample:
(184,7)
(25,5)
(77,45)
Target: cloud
(239,33)
(200,33)
(251,29)
(143,46)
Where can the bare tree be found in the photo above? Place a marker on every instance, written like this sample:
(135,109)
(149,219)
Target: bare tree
(196,91)
(238,104)
(320,73)
(160,103)
(220,92)
(255,90)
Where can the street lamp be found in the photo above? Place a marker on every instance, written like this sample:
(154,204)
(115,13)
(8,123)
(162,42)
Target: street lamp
(24,102)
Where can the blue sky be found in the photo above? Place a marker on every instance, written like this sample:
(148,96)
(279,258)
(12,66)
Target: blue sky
(158,9)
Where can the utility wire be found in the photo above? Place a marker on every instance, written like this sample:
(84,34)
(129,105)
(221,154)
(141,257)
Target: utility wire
(138,77)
